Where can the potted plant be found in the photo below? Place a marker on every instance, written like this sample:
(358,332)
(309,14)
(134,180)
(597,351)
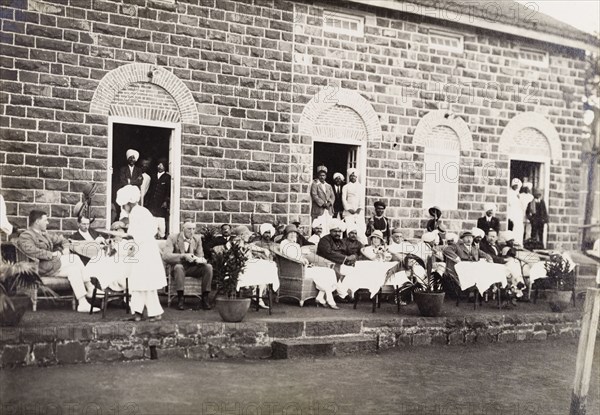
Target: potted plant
(18,282)
(561,279)
(228,265)
(426,287)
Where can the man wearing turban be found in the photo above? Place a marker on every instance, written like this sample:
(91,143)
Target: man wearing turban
(322,197)
(515,211)
(338,185)
(353,198)
(130,174)
(489,220)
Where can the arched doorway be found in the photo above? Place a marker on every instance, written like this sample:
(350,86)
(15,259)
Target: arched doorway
(146,106)
(339,123)
(531,143)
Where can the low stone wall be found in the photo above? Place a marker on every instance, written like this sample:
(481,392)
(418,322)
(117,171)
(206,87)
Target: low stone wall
(120,341)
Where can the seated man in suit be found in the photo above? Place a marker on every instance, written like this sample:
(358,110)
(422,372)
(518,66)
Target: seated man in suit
(37,243)
(184,251)
(490,246)
(463,250)
(85,233)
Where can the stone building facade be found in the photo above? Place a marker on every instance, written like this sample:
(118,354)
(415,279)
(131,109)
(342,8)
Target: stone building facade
(247,96)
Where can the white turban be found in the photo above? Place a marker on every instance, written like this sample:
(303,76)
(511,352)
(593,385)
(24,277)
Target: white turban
(316,223)
(477,233)
(517,182)
(337,224)
(128,194)
(267,227)
(132,152)
(507,236)
(351,228)
(352,172)
(489,206)
(336,175)
(429,237)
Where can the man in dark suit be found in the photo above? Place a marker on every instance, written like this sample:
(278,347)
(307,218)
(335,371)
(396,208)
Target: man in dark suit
(538,216)
(184,251)
(379,222)
(463,250)
(338,204)
(489,221)
(222,239)
(85,233)
(489,245)
(130,174)
(159,196)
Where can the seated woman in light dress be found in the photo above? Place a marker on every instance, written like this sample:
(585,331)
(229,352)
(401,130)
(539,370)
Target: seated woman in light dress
(376,250)
(324,278)
(260,270)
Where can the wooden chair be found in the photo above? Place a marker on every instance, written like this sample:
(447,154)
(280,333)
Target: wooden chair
(193,286)
(56,284)
(110,295)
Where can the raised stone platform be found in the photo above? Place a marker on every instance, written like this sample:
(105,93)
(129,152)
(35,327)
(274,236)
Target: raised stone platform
(266,337)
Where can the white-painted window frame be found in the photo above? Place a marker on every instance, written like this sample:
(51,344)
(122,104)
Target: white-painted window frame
(540,63)
(437,33)
(330,16)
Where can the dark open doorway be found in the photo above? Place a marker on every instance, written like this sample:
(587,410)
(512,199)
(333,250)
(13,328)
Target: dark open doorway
(336,157)
(527,171)
(152,143)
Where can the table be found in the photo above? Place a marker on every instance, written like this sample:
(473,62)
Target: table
(480,274)
(371,275)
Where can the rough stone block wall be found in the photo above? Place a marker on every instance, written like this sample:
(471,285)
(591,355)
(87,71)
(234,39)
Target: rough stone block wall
(114,341)
(250,68)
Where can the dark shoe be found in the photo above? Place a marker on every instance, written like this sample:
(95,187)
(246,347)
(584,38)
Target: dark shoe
(180,304)
(205,304)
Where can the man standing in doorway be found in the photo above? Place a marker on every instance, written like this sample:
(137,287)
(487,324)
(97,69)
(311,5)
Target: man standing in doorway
(159,196)
(130,174)
(322,197)
(538,216)
(338,205)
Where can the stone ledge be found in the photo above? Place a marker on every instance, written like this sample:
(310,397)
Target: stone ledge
(118,341)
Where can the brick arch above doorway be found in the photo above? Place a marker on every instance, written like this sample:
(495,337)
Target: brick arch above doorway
(121,78)
(334,101)
(526,121)
(434,121)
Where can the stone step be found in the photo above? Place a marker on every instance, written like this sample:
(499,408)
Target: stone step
(323,346)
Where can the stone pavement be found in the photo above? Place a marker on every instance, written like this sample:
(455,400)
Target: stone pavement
(494,379)
(59,336)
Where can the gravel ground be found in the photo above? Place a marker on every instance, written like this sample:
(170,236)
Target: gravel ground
(511,379)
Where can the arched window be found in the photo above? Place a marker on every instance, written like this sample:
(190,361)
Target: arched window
(443,136)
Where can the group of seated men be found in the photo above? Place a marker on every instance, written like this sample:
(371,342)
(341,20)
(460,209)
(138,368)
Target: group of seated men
(186,253)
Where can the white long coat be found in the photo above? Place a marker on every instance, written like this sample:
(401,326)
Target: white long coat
(147,269)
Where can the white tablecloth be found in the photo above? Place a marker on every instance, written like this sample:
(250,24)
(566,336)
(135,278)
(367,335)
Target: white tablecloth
(111,271)
(370,275)
(481,274)
(259,272)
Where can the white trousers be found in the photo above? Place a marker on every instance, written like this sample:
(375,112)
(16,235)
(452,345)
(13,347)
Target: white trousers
(72,268)
(149,299)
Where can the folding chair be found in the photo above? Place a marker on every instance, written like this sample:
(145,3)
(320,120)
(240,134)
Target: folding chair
(110,295)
